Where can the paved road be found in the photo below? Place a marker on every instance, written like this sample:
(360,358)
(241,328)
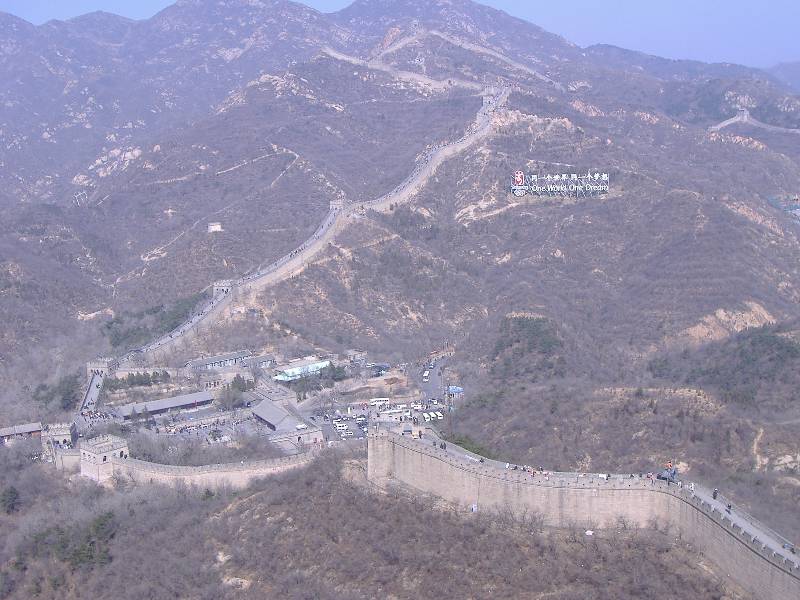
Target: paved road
(433,388)
(92,393)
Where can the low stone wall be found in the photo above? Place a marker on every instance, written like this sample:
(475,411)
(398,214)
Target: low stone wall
(595,502)
(236,475)
(123,372)
(68,460)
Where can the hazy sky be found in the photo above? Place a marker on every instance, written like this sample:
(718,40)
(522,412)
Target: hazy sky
(742,31)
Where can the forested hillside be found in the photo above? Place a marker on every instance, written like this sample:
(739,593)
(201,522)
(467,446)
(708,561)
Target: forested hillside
(309,534)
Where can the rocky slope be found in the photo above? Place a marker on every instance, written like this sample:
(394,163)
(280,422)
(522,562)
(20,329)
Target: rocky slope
(256,115)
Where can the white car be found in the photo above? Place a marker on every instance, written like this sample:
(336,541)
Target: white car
(439,415)
(347,433)
(427,417)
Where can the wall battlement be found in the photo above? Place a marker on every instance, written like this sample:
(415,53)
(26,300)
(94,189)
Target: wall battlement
(564,499)
(181,470)
(235,475)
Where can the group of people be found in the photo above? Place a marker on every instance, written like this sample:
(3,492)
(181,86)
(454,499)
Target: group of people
(728,506)
(529,469)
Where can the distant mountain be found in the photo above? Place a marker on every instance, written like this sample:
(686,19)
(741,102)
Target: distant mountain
(120,141)
(789,73)
(701,92)
(383,20)
(666,68)
(72,86)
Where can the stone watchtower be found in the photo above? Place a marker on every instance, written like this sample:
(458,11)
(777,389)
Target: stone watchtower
(98,455)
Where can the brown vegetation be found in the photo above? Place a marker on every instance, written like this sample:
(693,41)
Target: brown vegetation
(313,534)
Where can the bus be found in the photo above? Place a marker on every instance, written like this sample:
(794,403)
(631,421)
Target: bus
(391,411)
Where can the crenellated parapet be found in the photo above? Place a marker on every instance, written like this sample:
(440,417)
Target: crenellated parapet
(745,550)
(106,457)
(235,475)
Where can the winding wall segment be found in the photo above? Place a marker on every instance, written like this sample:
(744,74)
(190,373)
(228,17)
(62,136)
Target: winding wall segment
(219,305)
(567,499)
(235,475)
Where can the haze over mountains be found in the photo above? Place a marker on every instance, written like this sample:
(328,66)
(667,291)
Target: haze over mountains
(789,73)
(121,140)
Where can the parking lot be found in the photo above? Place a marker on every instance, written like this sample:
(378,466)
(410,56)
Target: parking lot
(340,421)
(352,422)
(349,426)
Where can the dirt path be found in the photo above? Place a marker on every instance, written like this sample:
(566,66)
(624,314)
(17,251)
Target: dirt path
(339,217)
(761,461)
(408,76)
(160,251)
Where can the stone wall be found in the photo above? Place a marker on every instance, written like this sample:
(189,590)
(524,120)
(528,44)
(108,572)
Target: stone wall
(123,372)
(236,475)
(68,460)
(591,501)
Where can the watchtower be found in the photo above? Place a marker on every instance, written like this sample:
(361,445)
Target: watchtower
(98,454)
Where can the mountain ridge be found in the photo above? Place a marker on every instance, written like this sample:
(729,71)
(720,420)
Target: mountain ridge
(256,118)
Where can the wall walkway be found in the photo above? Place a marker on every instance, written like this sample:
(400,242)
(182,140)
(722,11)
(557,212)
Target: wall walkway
(236,475)
(565,499)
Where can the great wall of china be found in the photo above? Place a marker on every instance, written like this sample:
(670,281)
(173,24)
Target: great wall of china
(564,500)
(105,459)
(227,293)
(234,475)
(743,550)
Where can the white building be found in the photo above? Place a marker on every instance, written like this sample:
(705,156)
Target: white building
(239,357)
(300,368)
